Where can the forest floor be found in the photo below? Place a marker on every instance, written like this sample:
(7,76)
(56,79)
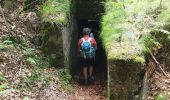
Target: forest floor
(88,92)
(159,86)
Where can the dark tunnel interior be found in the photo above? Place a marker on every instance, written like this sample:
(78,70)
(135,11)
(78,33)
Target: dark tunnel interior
(100,66)
(88,14)
(100,58)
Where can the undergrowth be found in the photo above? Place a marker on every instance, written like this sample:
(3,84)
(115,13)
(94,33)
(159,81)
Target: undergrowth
(136,19)
(57,11)
(65,79)
(39,66)
(112,22)
(30,4)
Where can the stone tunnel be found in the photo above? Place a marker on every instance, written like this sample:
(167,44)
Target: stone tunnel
(122,77)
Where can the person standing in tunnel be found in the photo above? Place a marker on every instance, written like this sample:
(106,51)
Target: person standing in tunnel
(86,50)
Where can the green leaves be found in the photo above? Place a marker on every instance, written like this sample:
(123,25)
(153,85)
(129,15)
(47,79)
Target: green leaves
(9,40)
(113,22)
(2,79)
(65,78)
(3,87)
(147,42)
(56,11)
(31,61)
(161,96)
(26,98)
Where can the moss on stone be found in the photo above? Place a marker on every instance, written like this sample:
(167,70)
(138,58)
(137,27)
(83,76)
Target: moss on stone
(126,61)
(52,43)
(125,78)
(55,16)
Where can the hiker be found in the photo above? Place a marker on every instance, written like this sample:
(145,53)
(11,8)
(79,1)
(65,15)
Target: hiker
(91,34)
(86,50)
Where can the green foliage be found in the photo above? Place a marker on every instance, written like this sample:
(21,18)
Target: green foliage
(2,78)
(113,22)
(38,61)
(39,77)
(4,92)
(56,11)
(3,87)
(161,96)
(26,98)
(9,40)
(26,4)
(147,42)
(31,57)
(160,32)
(43,62)
(134,15)
(31,61)
(65,78)
(164,18)
(45,33)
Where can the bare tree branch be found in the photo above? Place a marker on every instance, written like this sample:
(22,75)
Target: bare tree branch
(158,63)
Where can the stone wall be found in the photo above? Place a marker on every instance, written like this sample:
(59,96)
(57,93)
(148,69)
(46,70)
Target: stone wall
(125,79)
(126,70)
(56,32)
(52,44)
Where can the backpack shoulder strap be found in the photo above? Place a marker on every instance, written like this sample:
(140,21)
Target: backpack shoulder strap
(83,39)
(89,39)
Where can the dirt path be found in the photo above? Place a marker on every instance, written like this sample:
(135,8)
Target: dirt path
(88,92)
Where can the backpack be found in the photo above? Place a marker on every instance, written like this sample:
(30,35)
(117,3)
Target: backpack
(87,50)
(91,35)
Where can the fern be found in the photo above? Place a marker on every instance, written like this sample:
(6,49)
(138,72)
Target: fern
(147,42)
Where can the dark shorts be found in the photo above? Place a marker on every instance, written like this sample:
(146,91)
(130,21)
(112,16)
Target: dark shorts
(87,62)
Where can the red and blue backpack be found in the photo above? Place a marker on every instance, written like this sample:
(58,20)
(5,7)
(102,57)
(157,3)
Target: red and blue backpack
(87,51)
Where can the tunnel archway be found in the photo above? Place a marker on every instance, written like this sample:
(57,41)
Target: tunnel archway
(88,13)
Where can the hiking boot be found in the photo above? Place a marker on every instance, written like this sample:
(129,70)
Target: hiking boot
(86,82)
(91,79)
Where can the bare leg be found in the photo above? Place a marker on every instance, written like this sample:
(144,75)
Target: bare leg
(85,73)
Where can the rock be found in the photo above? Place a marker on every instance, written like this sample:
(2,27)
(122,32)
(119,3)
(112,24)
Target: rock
(124,78)
(37,41)
(32,21)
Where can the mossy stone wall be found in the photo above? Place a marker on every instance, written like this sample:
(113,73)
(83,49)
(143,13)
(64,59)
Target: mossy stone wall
(56,31)
(53,43)
(125,79)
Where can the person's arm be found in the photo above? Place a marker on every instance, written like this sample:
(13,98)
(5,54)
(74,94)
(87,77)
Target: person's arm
(94,43)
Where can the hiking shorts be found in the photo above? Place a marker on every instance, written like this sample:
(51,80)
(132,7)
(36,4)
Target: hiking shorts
(87,62)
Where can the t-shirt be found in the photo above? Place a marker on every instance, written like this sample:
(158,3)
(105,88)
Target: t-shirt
(86,37)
